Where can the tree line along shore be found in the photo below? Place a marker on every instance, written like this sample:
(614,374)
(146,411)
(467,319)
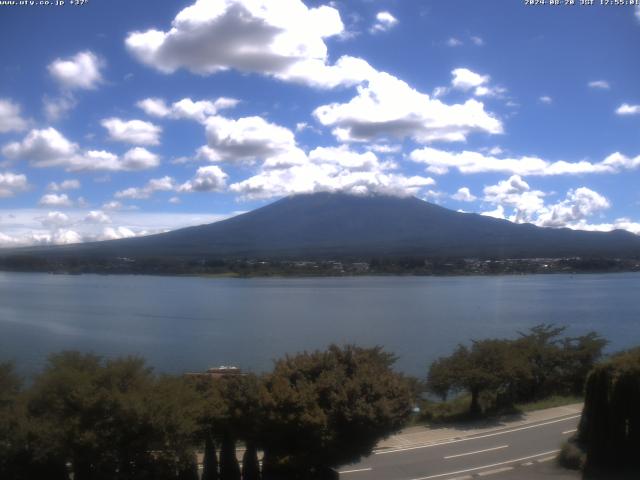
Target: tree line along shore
(89,418)
(265,267)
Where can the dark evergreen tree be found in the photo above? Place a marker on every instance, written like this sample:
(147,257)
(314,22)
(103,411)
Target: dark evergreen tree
(188,468)
(210,461)
(229,466)
(250,464)
(610,424)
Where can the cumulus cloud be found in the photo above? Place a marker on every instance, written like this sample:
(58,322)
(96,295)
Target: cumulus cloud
(578,205)
(516,201)
(329,169)
(387,107)
(55,200)
(22,227)
(464,195)
(466,162)
(56,108)
(206,179)
(49,148)
(10,117)
(186,108)
(626,109)
(70,184)
(138,159)
(245,139)
(55,220)
(97,216)
(384,22)
(12,183)
(454,42)
(546,99)
(465,79)
(82,71)
(599,85)
(477,41)
(163,184)
(515,193)
(137,132)
(283,39)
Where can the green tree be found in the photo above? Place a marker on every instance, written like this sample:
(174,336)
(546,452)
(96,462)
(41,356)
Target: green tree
(494,366)
(107,417)
(329,408)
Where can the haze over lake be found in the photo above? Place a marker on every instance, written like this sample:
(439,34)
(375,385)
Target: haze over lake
(189,323)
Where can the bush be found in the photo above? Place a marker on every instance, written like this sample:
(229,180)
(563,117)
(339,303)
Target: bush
(571,456)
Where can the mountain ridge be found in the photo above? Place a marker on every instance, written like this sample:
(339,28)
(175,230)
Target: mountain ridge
(338,225)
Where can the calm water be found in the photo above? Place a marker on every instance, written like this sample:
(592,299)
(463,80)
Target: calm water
(183,324)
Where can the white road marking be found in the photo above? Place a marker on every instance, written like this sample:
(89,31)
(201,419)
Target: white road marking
(546,459)
(447,442)
(477,451)
(356,471)
(570,431)
(515,460)
(494,471)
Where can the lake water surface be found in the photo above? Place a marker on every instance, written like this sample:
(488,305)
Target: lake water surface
(190,323)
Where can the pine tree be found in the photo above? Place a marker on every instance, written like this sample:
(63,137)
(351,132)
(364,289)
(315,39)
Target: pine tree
(250,465)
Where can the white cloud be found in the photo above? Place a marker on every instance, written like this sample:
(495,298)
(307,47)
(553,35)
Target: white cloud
(206,179)
(137,132)
(10,117)
(578,205)
(163,184)
(637,12)
(55,220)
(283,39)
(516,201)
(186,108)
(546,99)
(498,212)
(12,183)
(245,140)
(466,162)
(70,184)
(22,227)
(97,216)
(454,42)
(626,109)
(328,169)
(599,85)
(464,195)
(113,205)
(477,41)
(156,107)
(82,71)
(389,108)
(49,148)
(57,107)
(139,159)
(384,22)
(42,148)
(516,194)
(465,79)
(55,200)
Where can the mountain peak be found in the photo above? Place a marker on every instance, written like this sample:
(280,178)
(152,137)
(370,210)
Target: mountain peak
(341,225)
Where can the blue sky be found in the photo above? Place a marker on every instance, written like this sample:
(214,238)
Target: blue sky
(122,118)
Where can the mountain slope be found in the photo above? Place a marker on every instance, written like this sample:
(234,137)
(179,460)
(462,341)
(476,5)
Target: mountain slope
(338,225)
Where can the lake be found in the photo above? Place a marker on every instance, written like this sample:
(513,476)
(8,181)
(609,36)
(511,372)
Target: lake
(189,324)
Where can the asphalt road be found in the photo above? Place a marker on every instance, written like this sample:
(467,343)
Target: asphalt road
(495,453)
